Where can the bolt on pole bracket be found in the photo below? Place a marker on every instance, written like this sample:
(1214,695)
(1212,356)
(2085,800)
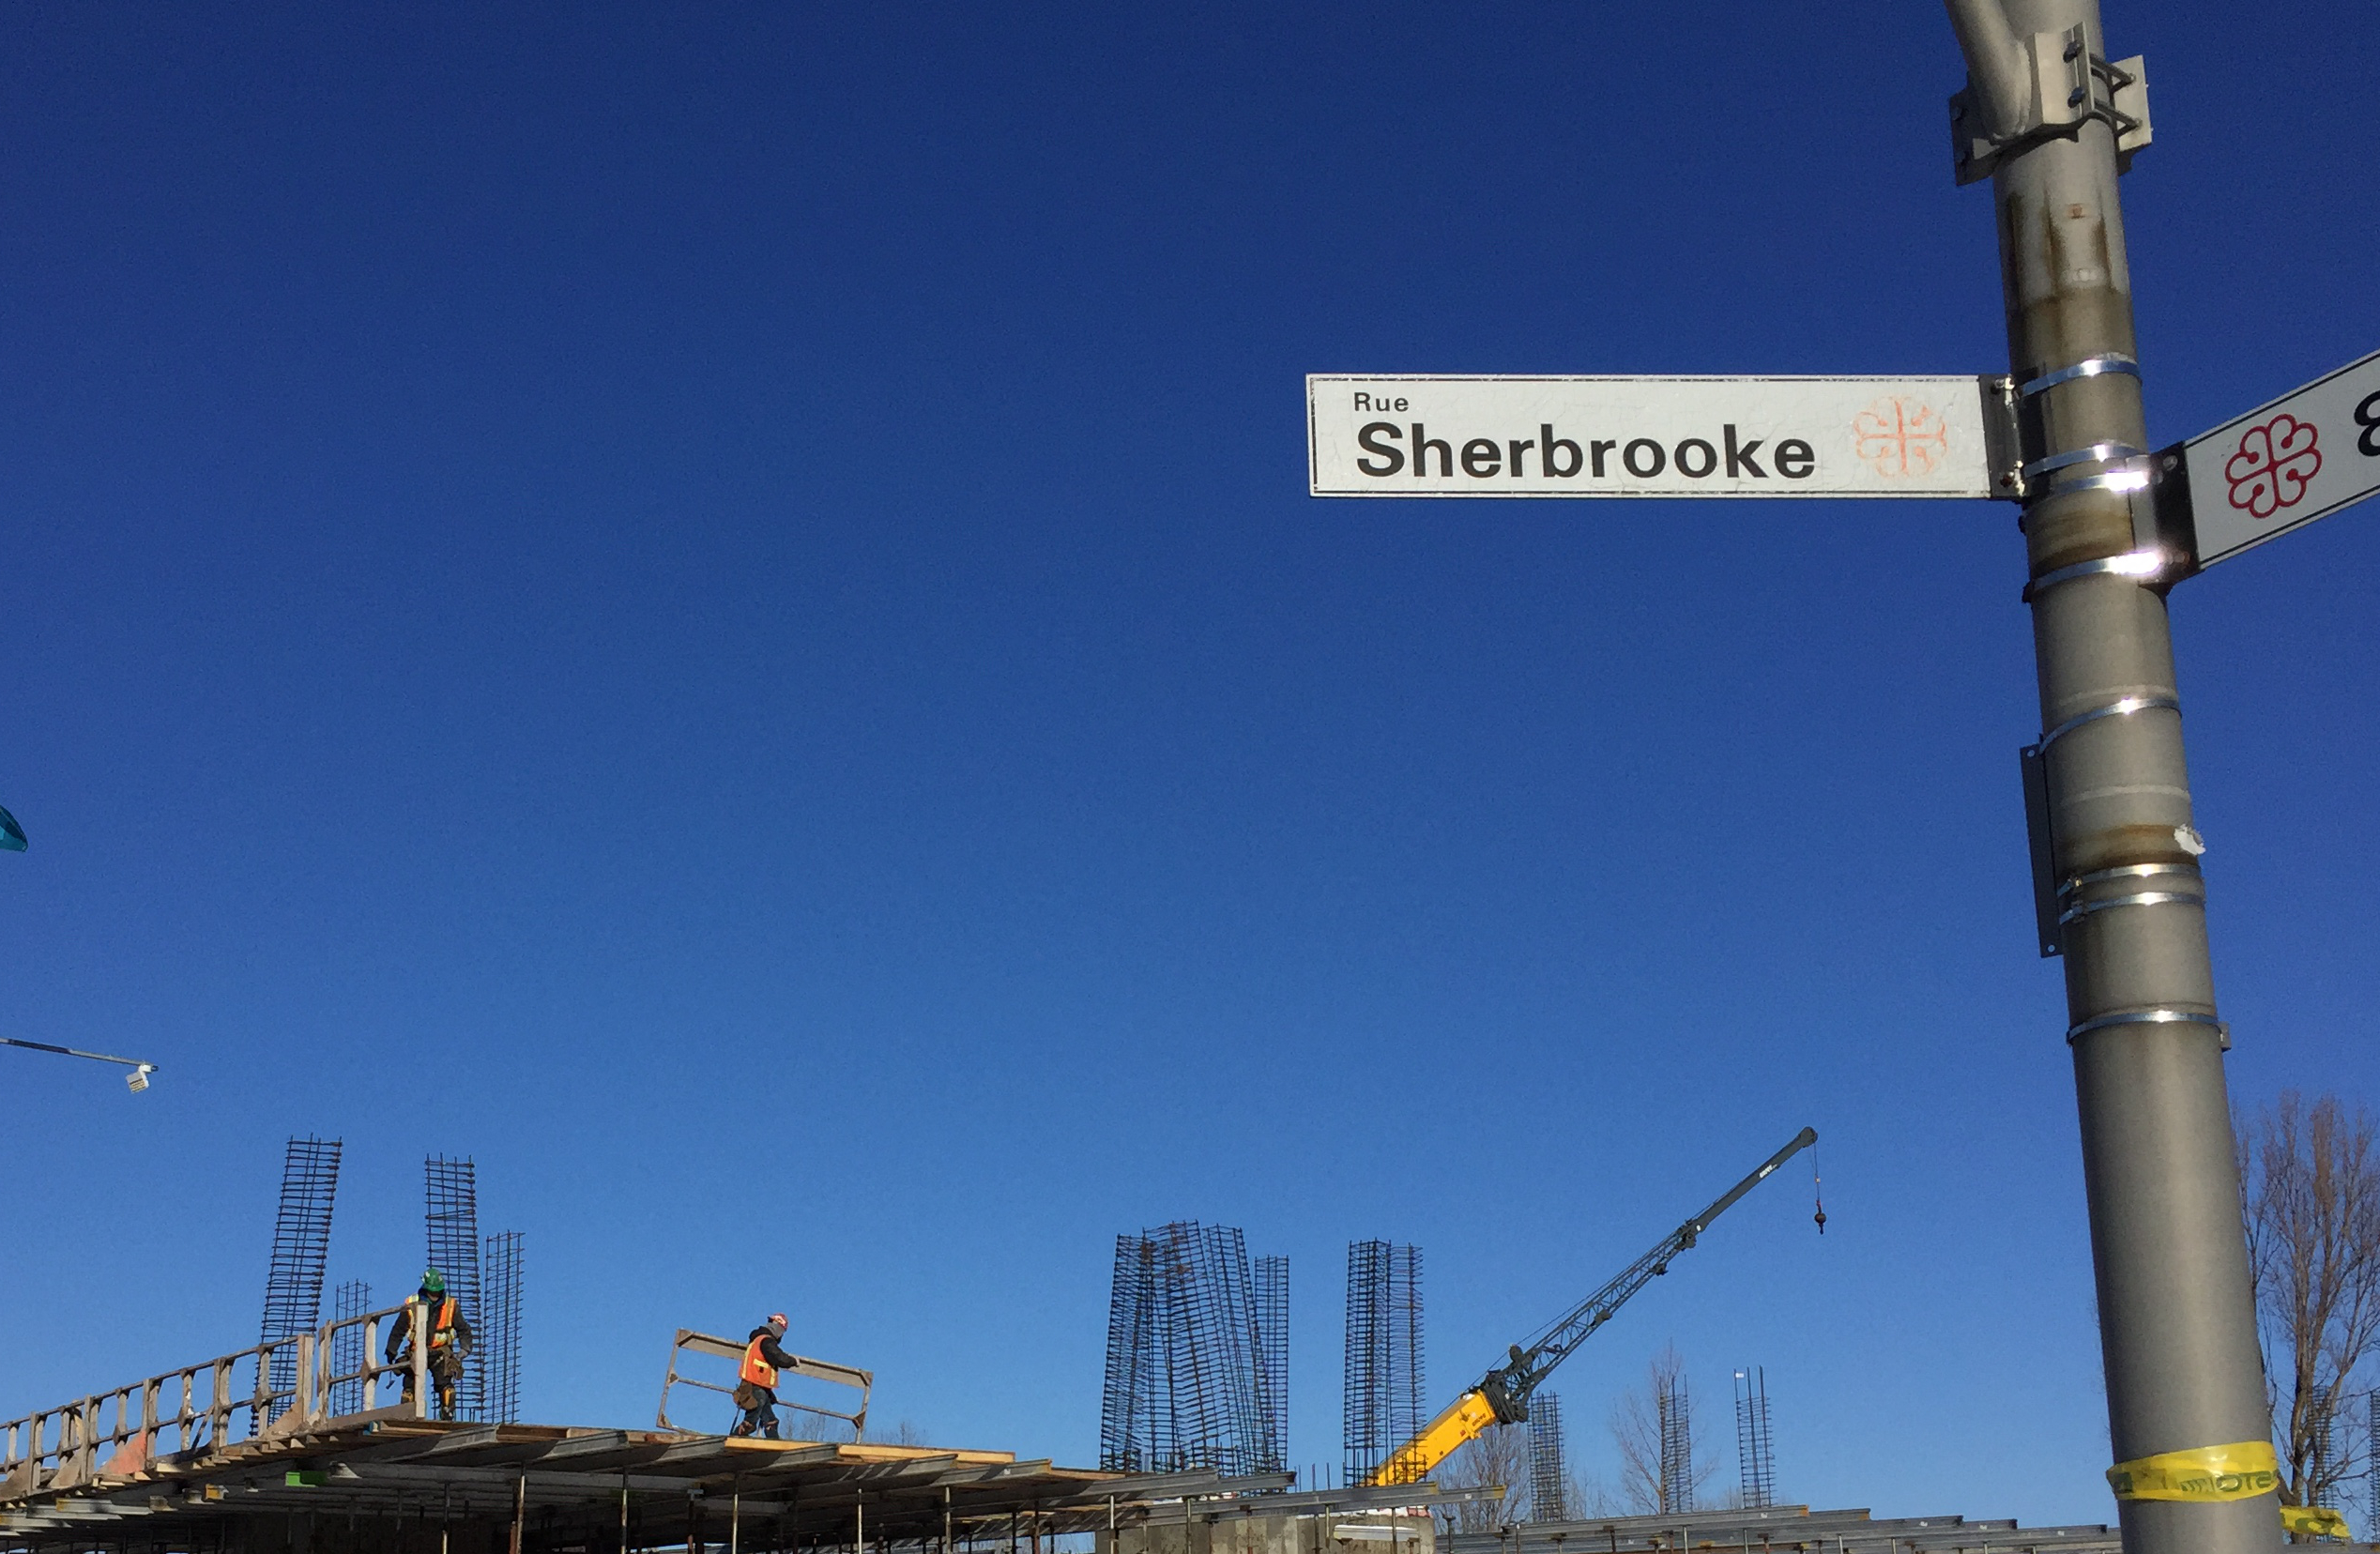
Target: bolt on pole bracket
(2070,85)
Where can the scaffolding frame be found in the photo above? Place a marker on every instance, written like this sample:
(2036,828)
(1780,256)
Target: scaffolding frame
(451,1189)
(301,1246)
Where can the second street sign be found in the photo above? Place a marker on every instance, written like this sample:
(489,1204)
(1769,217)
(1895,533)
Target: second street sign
(1441,435)
(2282,466)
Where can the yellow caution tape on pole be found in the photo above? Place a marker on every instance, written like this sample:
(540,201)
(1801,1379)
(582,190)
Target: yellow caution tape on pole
(2241,1470)
(2320,1521)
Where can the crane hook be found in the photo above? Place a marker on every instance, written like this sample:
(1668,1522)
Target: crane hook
(1817,1191)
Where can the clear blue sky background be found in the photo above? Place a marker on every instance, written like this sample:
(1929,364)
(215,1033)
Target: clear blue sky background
(716,608)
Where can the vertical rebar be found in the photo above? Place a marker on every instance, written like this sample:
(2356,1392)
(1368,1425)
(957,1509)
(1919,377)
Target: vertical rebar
(451,1188)
(1272,1300)
(1674,1413)
(1386,1400)
(1548,1463)
(1755,1451)
(349,1347)
(501,1337)
(301,1244)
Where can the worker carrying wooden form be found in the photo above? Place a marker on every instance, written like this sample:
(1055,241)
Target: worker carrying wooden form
(756,1381)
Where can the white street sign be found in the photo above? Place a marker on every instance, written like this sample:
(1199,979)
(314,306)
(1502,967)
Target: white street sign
(2282,466)
(1393,434)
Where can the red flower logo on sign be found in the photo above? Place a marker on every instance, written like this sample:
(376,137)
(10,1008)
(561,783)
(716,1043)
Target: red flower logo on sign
(1897,439)
(2273,464)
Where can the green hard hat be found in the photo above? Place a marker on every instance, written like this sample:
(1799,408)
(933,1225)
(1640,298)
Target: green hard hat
(434,1281)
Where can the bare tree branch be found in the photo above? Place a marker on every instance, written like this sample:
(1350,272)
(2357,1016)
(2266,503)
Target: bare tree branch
(1636,1428)
(2309,1183)
(1498,1454)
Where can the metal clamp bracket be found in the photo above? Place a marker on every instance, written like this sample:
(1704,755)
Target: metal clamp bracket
(2124,707)
(2150,1016)
(2082,910)
(2145,565)
(2098,366)
(2127,871)
(2124,480)
(2106,452)
(2071,85)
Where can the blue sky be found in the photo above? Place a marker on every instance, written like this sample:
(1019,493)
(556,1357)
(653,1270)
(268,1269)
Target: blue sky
(715,608)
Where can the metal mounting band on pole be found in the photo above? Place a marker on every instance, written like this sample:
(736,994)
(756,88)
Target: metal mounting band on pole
(2126,480)
(2096,454)
(2144,566)
(2149,1016)
(2121,708)
(2113,361)
(2128,870)
(2082,910)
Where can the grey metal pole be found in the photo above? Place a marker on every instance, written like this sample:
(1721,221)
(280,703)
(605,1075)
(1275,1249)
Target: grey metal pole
(2177,1318)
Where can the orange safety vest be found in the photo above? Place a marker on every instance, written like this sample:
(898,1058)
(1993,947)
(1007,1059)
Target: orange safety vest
(441,1321)
(756,1370)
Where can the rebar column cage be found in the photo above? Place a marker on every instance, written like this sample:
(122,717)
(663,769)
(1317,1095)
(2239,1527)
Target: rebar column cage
(1128,1391)
(451,1189)
(301,1244)
(2323,1469)
(500,1341)
(350,1300)
(1384,1402)
(1272,1296)
(1755,1451)
(1677,1448)
(1184,1386)
(1549,1465)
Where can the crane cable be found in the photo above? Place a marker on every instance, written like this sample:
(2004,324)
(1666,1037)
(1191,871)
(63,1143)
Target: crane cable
(1817,1189)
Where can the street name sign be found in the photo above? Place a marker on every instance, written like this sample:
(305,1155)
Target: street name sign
(1430,434)
(2279,467)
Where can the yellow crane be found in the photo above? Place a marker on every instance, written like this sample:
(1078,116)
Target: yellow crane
(1502,1396)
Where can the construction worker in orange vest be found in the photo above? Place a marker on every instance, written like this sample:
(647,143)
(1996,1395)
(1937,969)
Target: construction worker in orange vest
(451,1338)
(756,1380)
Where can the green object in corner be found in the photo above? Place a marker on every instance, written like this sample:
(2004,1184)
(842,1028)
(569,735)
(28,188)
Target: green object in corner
(11,834)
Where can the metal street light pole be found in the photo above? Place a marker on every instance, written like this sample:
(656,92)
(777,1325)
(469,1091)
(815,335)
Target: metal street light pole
(2049,119)
(137,1079)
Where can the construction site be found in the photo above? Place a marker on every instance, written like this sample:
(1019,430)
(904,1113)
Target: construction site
(354,1434)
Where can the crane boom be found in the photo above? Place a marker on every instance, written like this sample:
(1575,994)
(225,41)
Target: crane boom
(1502,1396)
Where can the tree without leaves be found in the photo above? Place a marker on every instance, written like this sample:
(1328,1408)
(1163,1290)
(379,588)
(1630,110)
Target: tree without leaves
(1501,1455)
(1636,1428)
(2310,1181)
(1498,1454)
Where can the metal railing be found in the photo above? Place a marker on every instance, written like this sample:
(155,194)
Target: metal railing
(202,1410)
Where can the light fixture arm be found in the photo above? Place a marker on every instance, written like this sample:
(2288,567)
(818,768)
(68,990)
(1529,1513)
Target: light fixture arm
(137,1079)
